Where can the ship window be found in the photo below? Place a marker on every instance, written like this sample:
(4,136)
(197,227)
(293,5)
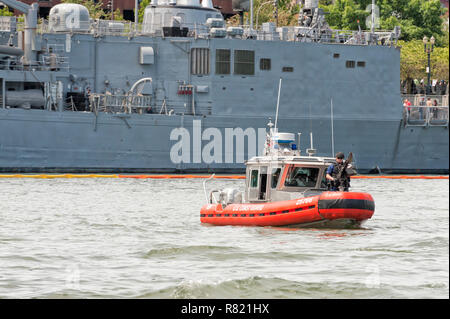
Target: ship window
(361,64)
(244,62)
(302,177)
(200,61)
(288,69)
(264,64)
(223,61)
(336,55)
(254,178)
(350,64)
(275,176)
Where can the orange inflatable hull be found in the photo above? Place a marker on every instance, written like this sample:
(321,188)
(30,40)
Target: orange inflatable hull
(328,209)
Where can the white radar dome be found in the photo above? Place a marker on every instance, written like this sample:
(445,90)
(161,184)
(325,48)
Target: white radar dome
(69,17)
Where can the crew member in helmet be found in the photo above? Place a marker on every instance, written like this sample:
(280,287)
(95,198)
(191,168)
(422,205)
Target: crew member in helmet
(332,173)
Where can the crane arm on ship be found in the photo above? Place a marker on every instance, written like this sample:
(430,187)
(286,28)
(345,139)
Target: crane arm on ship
(30,12)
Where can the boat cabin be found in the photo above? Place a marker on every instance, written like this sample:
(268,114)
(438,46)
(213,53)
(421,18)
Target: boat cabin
(283,174)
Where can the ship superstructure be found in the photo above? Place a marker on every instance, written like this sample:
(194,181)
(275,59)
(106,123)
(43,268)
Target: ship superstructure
(184,92)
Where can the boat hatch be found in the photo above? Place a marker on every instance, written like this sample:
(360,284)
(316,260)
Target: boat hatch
(257,189)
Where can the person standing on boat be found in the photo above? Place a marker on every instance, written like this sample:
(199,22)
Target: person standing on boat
(334,184)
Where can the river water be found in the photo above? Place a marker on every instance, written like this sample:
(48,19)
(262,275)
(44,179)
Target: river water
(142,238)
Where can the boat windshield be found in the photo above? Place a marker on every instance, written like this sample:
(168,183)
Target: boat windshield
(302,177)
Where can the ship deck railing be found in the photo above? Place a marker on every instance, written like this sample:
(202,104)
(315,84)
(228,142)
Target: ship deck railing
(425,116)
(421,99)
(130,29)
(43,65)
(143,104)
(119,103)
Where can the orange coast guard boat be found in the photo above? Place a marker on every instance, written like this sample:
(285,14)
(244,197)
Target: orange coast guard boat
(286,189)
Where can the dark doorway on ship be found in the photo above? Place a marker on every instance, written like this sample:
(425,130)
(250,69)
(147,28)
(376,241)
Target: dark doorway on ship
(76,102)
(128,15)
(44,12)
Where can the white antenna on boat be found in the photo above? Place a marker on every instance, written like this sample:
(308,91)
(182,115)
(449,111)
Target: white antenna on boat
(278,105)
(204,187)
(311,151)
(332,129)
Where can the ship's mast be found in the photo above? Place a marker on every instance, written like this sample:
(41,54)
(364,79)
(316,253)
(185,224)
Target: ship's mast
(372,27)
(136,14)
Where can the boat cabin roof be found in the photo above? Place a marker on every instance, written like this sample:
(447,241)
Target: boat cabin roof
(283,160)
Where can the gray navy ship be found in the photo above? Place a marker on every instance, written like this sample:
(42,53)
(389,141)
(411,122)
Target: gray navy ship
(182,92)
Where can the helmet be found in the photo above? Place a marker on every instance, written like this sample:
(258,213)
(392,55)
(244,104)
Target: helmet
(340,155)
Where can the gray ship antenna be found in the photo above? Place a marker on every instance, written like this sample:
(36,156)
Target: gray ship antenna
(372,27)
(136,14)
(278,105)
(251,15)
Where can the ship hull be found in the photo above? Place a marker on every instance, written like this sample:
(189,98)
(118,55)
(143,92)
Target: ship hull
(38,140)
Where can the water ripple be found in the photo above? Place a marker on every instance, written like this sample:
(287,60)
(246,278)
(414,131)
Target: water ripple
(131,238)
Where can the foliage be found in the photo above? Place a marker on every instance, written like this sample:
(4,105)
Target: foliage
(414,61)
(5,12)
(416,18)
(96,10)
(264,12)
(142,6)
(345,14)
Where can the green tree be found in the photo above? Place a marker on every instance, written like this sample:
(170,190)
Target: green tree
(142,6)
(5,12)
(414,61)
(416,18)
(345,14)
(96,10)
(263,11)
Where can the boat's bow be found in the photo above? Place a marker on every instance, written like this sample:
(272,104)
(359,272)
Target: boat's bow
(346,205)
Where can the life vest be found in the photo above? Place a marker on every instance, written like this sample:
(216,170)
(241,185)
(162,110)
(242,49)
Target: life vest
(336,168)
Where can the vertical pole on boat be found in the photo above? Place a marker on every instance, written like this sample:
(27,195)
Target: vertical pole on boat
(332,129)
(204,188)
(278,105)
